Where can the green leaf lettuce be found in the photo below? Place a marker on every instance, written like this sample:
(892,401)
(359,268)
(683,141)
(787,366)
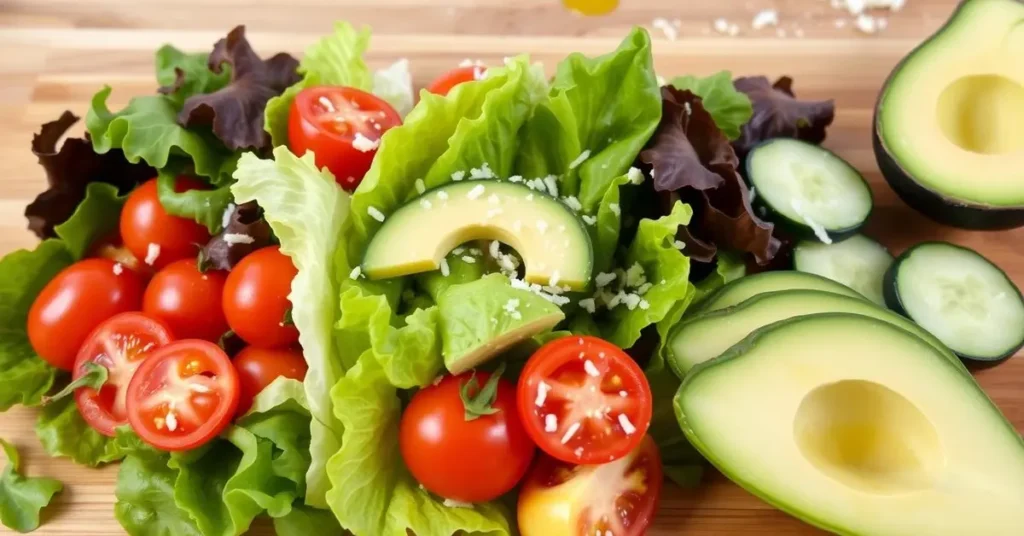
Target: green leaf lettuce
(21,497)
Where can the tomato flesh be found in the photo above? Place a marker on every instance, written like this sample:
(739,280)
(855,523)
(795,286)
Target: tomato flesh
(120,345)
(183,395)
(188,300)
(259,367)
(75,302)
(342,126)
(256,299)
(584,400)
(464,460)
(154,236)
(466,73)
(618,498)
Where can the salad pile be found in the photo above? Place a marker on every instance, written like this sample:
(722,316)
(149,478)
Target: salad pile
(203,307)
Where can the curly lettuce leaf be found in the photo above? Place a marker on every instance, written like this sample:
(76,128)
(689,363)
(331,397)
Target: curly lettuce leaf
(373,493)
(304,521)
(147,130)
(235,112)
(21,497)
(70,170)
(394,84)
(205,207)
(182,75)
(257,466)
(306,208)
(335,60)
(489,314)
(777,113)
(731,109)
(63,432)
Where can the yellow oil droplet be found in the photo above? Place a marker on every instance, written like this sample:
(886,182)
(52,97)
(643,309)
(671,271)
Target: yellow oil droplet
(592,7)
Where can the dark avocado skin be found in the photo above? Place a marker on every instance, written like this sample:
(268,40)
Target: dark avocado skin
(798,229)
(938,207)
(893,301)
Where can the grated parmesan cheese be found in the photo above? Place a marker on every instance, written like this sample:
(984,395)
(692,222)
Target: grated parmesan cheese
(635,176)
(573,203)
(542,394)
(483,172)
(237,238)
(476,191)
(152,253)
(550,423)
(614,207)
(626,425)
(118,268)
(603,279)
(819,230)
(588,305)
(579,160)
(589,220)
(363,144)
(468,259)
(229,212)
(375,213)
(444,268)
(356,273)
(420,187)
(550,183)
(458,175)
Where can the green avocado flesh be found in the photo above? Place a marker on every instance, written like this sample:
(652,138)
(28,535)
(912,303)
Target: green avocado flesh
(708,335)
(762,283)
(952,114)
(552,241)
(858,427)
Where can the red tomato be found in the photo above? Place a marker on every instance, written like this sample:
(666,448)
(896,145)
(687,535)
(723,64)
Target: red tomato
(465,460)
(342,126)
(188,300)
(112,247)
(444,83)
(119,344)
(182,395)
(72,304)
(618,498)
(583,400)
(256,299)
(259,367)
(153,235)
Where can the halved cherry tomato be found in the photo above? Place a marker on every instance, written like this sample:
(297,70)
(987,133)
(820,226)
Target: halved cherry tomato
(444,83)
(618,498)
(342,126)
(182,395)
(256,299)
(188,300)
(259,367)
(72,304)
(465,460)
(119,344)
(153,235)
(583,400)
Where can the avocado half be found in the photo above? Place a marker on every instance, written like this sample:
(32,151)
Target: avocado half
(949,123)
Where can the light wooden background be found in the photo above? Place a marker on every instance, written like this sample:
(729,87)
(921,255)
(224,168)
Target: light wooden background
(55,53)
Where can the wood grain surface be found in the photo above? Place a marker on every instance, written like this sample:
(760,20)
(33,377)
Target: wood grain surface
(54,54)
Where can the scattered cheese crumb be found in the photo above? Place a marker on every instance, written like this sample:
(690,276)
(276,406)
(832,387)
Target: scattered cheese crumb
(356,273)
(515,178)
(425,203)
(765,17)
(579,160)
(550,423)
(679,244)
(670,29)
(458,251)
(476,191)
(420,187)
(172,421)
(635,176)
(375,213)
(645,305)
(589,220)
(483,172)
(573,428)
(552,186)
(118,268)
(363,144)
(614,207)
(588,305)
(626,425)
(443,196)
(555,276)
(819,230)
(237,238)
(591,369)
(644,288)
(468,259)
(152,253)
(603,279)
(573,203)
(631,301)
(451,503)
(228,213)
(635,275)
(494,249)
(542,226)
(458,176)
(444,267)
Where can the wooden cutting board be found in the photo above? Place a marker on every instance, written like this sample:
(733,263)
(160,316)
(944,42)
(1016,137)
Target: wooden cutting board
(54,54)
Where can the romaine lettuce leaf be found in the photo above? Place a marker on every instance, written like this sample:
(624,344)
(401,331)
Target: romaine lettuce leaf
(373,493)
(21,497)
(336,60)
(305,207)
(63,432)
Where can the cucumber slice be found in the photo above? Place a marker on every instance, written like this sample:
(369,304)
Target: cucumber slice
(808,190)
(960,297)
(858,262)
(745,288)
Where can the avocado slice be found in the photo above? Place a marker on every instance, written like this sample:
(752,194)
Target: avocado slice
(483,318)
(857,427)
(744,288)
(708,335)
(949,123)
(550,238)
